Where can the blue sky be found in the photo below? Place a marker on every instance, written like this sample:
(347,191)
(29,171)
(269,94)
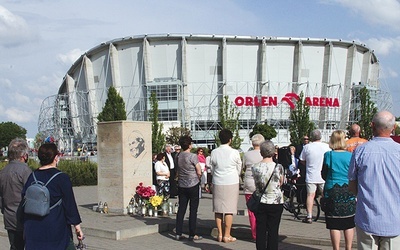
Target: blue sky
(40,39)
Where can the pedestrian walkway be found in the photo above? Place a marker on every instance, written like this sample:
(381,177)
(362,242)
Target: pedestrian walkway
(116,227)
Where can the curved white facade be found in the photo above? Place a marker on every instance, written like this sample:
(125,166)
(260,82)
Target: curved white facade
(192,73)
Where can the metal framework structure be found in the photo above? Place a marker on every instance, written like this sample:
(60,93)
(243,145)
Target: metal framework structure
(191,74)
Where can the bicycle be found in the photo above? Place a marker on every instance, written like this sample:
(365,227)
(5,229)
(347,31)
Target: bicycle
(292,192)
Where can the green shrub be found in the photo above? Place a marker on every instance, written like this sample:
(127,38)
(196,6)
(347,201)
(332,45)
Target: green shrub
(81,173)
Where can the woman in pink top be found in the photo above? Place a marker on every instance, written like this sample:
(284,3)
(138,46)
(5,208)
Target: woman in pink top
(202,161)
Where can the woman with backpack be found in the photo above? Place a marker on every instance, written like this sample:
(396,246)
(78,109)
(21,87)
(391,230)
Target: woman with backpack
(52,231)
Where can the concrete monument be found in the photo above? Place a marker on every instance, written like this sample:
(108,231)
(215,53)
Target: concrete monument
(124,160)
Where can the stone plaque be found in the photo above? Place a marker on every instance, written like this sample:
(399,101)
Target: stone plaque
(124,160)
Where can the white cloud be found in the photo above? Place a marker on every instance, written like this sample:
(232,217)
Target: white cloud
(13,29)
(384,46)
(22,99)
(45,85)
(70,57)
(381,12)
(392,73)
(18,115)
(5,83)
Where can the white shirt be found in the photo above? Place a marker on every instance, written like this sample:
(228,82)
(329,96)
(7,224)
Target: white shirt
(161,167)
(313,154)
(226,164)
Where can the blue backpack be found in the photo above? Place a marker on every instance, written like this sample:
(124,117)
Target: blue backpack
(37,198)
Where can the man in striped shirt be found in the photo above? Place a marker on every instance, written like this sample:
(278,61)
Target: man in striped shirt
(374,176)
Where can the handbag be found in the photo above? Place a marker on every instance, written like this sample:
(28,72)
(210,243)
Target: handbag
(254,201)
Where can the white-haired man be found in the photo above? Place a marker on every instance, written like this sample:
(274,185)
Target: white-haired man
(313,156)
(374,175)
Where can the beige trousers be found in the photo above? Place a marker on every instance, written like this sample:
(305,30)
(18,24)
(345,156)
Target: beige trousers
(367,241)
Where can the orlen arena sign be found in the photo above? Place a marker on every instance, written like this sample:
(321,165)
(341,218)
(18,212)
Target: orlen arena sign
(289,98)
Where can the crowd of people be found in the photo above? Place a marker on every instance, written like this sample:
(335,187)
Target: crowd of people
(28,231)
(357,179)
(340,170)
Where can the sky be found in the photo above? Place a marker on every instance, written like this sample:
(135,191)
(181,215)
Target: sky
(41,39)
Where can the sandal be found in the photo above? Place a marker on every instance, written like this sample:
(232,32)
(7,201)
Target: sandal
(307,220)
(229,239)
(195,238)
(219,238)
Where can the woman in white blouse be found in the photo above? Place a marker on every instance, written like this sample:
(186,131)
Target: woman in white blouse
(162,172)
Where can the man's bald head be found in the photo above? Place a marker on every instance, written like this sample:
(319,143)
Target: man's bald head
(355,130)
(383,123)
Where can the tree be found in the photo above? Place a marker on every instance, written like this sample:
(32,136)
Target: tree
(265,130)
(300,124)
(157,138)
(174,133)
(10,131)
(39,139)
(397,130)
(229,119)
(367,110)
(114,108)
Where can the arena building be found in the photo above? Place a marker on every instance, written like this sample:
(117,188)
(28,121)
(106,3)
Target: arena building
(191,74)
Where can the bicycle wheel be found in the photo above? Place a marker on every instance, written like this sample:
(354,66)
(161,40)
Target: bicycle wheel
(301,211)
(316,209)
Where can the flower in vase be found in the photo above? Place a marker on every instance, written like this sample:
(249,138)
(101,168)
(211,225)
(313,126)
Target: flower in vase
(156,200)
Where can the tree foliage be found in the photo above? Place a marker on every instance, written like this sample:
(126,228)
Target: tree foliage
(265,130)
(114,108)
(157,138)
(300,123)
(174,133)
(10,131)
(366,112)
(229,119)
(39,139)
(397,130)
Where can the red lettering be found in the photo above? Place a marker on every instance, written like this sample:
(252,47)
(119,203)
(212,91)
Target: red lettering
(322,102)
(239,101)
(315,101)
(307,100)
(249,101)
(328,102)
(336,102)
(263,101)
(273,101)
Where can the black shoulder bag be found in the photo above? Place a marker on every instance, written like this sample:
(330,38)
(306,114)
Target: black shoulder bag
(254,201)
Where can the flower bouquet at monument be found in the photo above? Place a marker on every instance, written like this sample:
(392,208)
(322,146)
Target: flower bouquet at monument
(144,193)
(156,201)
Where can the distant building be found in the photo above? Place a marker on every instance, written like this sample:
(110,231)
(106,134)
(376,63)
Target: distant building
(191,74)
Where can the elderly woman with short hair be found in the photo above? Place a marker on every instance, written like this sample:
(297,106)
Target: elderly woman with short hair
(251,157)
(268,216)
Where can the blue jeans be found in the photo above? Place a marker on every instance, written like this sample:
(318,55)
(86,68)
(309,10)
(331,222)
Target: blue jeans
(187,195)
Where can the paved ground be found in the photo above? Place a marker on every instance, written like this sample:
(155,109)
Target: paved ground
(135,232)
